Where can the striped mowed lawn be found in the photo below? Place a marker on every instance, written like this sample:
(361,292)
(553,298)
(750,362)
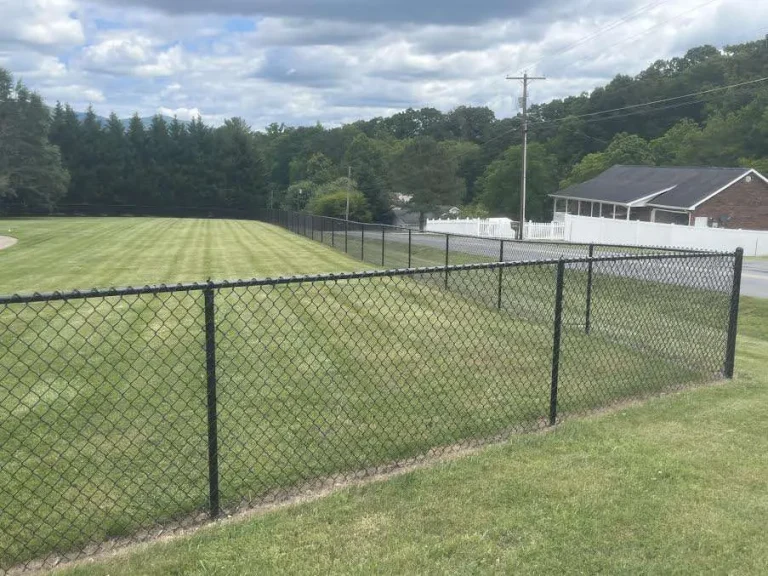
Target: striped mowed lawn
(102,403)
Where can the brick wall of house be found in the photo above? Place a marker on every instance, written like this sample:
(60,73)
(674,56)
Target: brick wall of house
(745,202)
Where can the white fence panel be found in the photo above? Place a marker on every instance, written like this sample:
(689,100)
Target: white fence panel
(607,231)
(484,228)
(545,231)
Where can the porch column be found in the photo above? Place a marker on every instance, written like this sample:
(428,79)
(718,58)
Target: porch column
(628,211)
(614,211)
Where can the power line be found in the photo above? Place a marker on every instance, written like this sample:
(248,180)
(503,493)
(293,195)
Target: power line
(596,116)
(623,20)
(647,30)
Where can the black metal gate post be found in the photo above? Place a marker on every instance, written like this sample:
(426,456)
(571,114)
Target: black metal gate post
(556,343)
(382,245)
(501,273)
(588,315)
(210,368)
(446,260)
(346,236)
(362,242)
(333,233)
(409,248)
(733,321)
(322,230)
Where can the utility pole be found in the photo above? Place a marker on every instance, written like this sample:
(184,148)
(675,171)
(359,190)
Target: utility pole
(349,177)
(524,177)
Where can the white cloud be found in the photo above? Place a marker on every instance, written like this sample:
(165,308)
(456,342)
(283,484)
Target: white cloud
(299,70)
(40,23)
(185,114)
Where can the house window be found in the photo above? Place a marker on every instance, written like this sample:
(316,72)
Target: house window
(621,212)
(668,217)
(585,208)
(606,210)
(573,207)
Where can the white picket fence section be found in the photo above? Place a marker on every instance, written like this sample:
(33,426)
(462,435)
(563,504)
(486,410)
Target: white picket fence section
(481,227)
(545,231)
(498,228)
(584,229)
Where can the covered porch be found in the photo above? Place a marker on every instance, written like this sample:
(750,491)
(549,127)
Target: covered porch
(618,211)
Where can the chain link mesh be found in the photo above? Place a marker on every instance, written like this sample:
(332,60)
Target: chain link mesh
(105,421)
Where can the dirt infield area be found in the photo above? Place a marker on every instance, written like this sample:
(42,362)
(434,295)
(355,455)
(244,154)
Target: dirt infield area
(7,241)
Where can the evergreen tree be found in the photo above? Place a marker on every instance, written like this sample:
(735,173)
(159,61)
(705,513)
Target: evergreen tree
(31,172)
(427,174)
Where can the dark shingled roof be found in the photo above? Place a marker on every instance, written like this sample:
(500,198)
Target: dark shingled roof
(627,184)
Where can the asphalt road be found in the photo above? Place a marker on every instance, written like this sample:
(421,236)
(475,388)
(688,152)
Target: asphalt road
(754,278)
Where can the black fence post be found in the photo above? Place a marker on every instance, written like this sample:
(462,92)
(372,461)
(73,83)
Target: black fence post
(446,260)
(210,368)
(333,233)
(362,242)
(346,236)
(382,245)
(588,315)
(556,343)
(409,247)
(501,272)
(322,230)
(733,321)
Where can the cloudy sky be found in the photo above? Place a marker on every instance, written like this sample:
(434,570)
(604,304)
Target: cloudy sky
(335,61)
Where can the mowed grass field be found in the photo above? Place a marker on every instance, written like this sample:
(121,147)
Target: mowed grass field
(676,485)
(67,253)
(103,406)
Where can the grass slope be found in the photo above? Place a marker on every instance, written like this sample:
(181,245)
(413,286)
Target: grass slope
(677,485)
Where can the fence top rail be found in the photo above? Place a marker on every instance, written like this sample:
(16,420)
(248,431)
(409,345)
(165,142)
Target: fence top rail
(334,277)
(513,240)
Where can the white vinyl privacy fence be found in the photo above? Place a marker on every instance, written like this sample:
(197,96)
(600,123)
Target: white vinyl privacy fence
(585,230)
(634,232)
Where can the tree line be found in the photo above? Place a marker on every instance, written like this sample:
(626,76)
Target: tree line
(425,160)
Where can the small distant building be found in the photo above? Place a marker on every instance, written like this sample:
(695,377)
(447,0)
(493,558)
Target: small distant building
(716,197)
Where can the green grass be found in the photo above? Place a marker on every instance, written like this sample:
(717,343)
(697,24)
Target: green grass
(103,413)
(66,253)
(676,485)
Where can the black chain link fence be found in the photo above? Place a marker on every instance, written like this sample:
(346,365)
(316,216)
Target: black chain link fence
(395,247)
(128,412)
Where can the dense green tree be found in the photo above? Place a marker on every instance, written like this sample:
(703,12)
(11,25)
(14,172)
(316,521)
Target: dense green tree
(627,149)
(499,187)
(428,174)
(31,171)
(335,205)
(367,160)
(242,175)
